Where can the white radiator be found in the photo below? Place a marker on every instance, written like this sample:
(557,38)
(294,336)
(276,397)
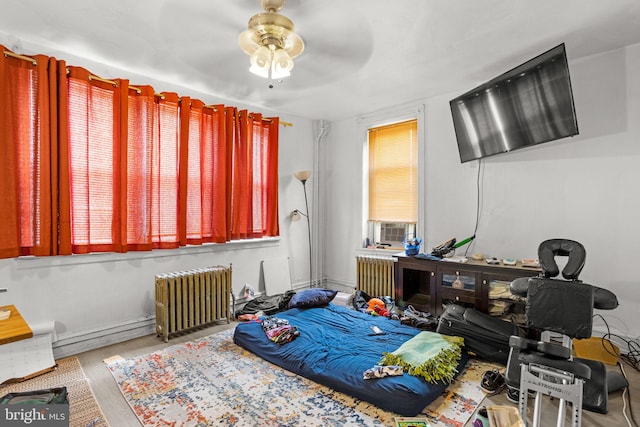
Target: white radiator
(375,276)
(192,298)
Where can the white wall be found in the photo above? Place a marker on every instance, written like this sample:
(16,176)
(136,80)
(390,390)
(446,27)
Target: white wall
(583,188)
(98,299)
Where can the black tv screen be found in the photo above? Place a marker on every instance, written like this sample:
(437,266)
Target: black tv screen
(528,105)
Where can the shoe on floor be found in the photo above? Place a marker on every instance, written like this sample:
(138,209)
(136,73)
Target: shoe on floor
(493,382)
(513,395)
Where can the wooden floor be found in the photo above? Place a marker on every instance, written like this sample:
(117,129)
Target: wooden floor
(119,414)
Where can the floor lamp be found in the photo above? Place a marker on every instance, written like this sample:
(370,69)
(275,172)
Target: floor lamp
(303,176)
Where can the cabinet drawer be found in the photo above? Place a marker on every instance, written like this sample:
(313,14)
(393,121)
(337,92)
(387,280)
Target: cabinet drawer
(457,295)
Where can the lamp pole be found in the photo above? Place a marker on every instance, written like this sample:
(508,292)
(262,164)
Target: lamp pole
(303,176)
(306,203)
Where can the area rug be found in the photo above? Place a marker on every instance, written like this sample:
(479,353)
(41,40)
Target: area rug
(83,408)
(214,382)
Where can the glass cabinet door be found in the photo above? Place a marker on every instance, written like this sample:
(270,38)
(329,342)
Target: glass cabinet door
(501,302)
(466,282)
(459,286)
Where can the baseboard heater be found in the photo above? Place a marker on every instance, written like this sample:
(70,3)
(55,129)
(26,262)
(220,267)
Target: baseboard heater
(190,299)
(375,276)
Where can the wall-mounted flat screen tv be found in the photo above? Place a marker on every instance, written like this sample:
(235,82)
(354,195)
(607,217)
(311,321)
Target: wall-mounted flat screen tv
(528,105)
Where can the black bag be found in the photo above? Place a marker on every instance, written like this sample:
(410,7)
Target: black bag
(360,300)
(484,335)
(267,304)
(57,395)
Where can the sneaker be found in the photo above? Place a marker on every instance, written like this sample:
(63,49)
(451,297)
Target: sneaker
(513,395)
(493,382)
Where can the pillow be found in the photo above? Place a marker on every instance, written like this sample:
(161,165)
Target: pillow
(315,297)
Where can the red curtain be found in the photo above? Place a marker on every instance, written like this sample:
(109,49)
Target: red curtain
(269,183)
(218,155)
(27,157)
(140,154)
(255,170)
(165,171)
(203,134)
(241,208)
(97,162)
(95,165)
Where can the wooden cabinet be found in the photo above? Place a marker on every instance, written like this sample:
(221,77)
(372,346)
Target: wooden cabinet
(415,283)
(428,285)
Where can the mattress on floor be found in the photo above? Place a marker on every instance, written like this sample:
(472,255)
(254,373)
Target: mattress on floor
(336,345)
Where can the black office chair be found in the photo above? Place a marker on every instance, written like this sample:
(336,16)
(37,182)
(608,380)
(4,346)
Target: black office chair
(559,310)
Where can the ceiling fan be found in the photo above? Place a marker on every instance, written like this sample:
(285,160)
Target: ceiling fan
(330,48)
(271,42)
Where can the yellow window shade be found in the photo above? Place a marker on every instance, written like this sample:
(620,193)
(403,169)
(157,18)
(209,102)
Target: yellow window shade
(393,172)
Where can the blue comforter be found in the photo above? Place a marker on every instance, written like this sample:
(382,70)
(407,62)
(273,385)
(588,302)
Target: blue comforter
(336,345)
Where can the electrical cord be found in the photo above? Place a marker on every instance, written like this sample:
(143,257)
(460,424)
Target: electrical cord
(624,401)
(631,358)
(477,205)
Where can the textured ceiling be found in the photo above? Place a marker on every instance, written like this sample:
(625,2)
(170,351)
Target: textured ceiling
(360,55)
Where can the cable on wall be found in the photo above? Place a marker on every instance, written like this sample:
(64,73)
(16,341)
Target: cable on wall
(478,196)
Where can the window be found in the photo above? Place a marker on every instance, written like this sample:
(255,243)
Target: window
(392,177)
(181,178)
(97,165)
(393,180)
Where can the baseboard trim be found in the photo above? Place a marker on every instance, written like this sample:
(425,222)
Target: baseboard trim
(79,342)
(343,288)
(72,344)
(333,283)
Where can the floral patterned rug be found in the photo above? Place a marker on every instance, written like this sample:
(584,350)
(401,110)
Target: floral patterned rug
(214,382)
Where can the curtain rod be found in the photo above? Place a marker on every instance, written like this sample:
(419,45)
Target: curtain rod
(113,82)
(285,124)
(137,89)
(24,58)
(100,79)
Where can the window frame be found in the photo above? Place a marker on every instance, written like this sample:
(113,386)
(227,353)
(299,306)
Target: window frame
(384,118)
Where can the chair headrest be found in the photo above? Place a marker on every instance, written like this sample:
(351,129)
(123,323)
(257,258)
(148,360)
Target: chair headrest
(549,249)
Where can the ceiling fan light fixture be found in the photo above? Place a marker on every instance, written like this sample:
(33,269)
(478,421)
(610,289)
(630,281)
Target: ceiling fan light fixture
(270,42)
(282,64)
(261,61)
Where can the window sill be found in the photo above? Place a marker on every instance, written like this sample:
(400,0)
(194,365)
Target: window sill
(385,253)
(32,262)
